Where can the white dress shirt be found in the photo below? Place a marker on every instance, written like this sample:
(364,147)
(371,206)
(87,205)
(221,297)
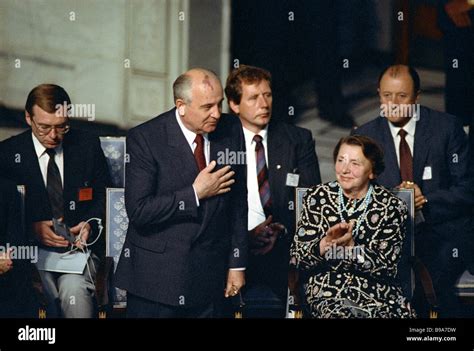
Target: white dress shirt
(43,159)
(410,137)
(256,215)
(190,136)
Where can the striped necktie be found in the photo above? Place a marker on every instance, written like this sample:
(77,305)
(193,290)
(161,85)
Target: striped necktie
(262,176)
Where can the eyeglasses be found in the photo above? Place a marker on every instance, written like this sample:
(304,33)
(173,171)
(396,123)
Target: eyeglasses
(45,130)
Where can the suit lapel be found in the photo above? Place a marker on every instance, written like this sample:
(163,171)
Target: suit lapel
(37,193)
(72,159)
(33,165)
(422,142)
(182,155)
(391,162)
(277,155)
(212,203)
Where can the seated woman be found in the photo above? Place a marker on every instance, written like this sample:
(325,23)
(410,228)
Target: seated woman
(349,239)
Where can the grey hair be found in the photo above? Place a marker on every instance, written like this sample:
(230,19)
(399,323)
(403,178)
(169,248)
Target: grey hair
(182,88)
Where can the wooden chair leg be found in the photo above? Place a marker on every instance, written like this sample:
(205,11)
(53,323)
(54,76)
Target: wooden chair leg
(38,290)
(102,284)
(41,313)
(427,284)
(238,303)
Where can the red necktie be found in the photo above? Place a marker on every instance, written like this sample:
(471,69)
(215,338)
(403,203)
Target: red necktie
(199,152)
(406,159)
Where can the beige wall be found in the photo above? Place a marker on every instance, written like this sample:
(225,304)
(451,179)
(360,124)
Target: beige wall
(85,46)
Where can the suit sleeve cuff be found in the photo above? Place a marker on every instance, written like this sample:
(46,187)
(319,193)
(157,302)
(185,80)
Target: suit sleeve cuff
(196,196)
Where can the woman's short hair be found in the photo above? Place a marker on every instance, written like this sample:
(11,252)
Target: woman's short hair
(371,150)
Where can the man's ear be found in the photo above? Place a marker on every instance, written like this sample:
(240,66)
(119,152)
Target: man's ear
(417,95)
(28,118)
(234,107)
(181,106)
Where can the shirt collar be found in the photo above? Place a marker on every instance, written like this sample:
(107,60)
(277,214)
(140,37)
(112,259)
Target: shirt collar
(188,134)
(409,127)
(40,149)
(249,134)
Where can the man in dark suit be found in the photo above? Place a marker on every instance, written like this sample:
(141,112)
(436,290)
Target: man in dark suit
(280,157)
(65,174)
(186,206)
(428,151)
(16,294)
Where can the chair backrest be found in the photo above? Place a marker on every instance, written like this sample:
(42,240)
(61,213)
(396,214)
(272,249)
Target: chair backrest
(465,286)
(115,153)
(116,230)
(406,275)
(36,279)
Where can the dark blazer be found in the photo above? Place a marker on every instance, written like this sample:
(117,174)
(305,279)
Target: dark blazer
(177,253)
(84,166)
(440,143)
(291,149)
(16,294)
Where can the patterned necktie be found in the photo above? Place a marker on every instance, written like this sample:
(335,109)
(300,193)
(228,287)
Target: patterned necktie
(262,176)
(54,186)
(406,159)
(199,152)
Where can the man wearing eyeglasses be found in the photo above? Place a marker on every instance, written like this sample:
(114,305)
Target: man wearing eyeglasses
(65,174)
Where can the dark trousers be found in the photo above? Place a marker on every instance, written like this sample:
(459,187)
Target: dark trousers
(445,268)
(138,307)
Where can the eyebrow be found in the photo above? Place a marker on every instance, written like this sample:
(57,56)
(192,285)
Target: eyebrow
(44,124)
(389,91)
(352,159)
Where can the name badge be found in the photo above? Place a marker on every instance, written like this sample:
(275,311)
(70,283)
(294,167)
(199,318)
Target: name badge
(85,194)
(292,179)
(427,173)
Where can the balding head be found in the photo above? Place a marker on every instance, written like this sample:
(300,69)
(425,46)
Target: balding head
(397,71)
(199,77)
